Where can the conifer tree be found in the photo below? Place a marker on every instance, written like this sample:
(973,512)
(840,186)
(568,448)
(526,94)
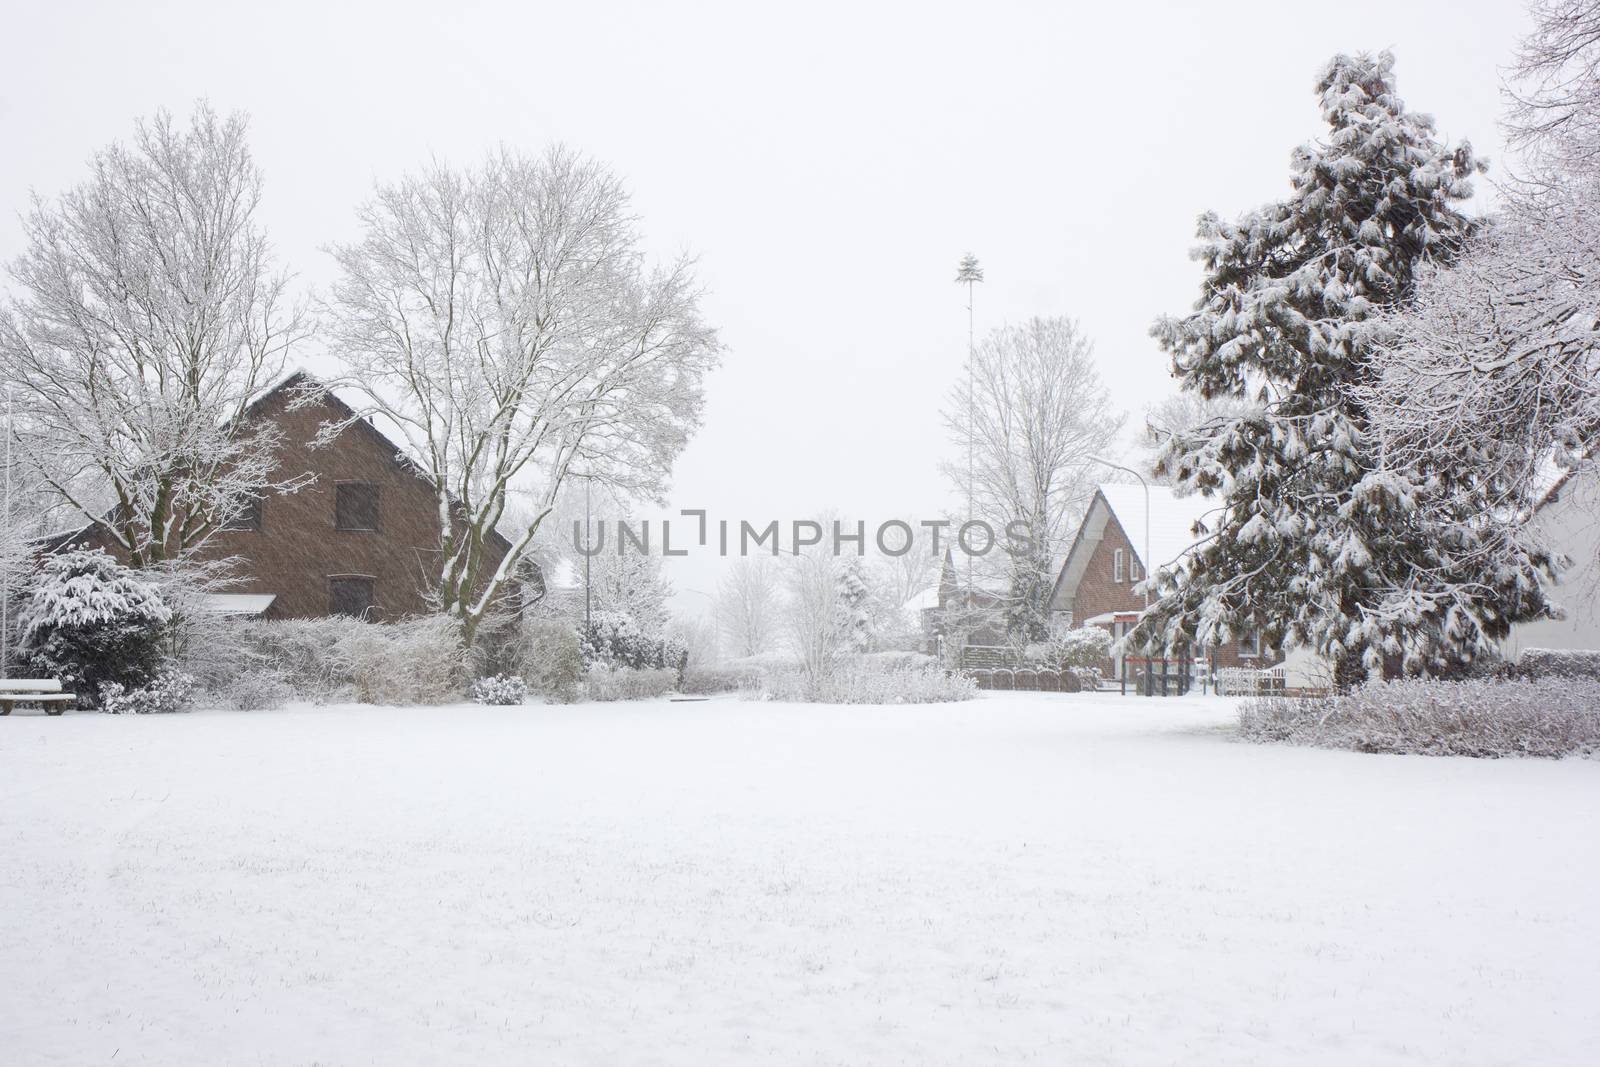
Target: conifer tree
(1312,530)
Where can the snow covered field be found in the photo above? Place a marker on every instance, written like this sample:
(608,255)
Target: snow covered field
(1027,878)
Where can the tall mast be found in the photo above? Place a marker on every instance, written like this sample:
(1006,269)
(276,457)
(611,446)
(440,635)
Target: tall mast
(969,273)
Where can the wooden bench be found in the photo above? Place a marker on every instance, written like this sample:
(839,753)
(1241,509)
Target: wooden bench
(45,692)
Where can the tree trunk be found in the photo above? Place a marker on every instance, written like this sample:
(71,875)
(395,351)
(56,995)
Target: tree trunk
(1348,670)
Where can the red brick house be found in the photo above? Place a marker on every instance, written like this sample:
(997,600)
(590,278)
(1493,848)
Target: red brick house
(362,538)
(1096,583)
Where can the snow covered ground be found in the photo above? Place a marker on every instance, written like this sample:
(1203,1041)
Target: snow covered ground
(1030,878)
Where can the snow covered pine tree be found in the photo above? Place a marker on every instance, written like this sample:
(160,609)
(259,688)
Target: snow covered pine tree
(1313,532)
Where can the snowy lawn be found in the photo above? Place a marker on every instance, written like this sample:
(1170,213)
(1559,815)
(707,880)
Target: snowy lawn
(1059,879)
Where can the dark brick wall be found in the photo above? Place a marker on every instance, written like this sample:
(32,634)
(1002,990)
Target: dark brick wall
(298,549)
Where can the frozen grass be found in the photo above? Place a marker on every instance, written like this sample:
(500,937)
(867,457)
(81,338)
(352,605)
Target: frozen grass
(1023,878)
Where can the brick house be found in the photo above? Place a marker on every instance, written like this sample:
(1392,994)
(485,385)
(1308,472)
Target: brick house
(1095,585)
(964,617)
(360,539)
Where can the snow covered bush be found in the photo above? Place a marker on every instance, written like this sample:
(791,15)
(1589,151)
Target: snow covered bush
(614,639)
(335,660)
(255,690)
(628,683)
(552,660)
(90,621)
(1547,717)
(309,655)
(1085,646)
(859,680)
(417,661)
(1559,663)
(503,690)
(168,692)
(703,681)
(891,659)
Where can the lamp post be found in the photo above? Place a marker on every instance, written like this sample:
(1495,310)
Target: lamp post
(588,551)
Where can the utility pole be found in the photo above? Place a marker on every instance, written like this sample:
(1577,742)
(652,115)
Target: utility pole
(588,551)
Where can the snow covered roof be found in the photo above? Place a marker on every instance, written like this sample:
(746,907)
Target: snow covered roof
(1172,520)
(238,603)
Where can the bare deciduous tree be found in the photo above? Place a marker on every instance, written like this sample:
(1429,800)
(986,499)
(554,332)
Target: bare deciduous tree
(147,317)
(1555,101)
(501,321)
(1035,414)
(811,611)
(747,605)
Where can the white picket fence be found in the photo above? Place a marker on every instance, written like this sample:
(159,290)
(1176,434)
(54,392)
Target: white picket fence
(1249,681)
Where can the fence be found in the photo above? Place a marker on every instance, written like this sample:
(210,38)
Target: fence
(1249,681)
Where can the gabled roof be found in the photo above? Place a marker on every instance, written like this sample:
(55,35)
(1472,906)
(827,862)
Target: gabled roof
(304,381)
(1172,521)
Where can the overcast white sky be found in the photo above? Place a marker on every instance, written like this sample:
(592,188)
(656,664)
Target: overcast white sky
(829,163)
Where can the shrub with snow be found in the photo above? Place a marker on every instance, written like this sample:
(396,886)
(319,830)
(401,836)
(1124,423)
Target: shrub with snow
(860,680)
(503,690)
(614,639)
(309,655)
(335,660)
(1085,646)
(1546,717)
(628,683)
(890,659)
(90,621)
(168,692)
(552,661)
(1559,663)
(255,690)
(417,661)
(704,681)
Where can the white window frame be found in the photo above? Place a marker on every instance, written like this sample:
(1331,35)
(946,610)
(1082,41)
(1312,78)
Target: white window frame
(1116,565)
(1250,644)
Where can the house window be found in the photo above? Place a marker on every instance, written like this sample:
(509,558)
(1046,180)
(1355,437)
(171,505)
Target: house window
(1134,574)
(355,506)
(248,517)
(350,595)
(1250,644)
(1116,565)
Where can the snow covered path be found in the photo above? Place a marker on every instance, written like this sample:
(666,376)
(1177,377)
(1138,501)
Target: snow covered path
(1027,878)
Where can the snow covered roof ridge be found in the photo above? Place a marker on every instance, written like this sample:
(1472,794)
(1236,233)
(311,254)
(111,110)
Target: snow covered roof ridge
(1172,519)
